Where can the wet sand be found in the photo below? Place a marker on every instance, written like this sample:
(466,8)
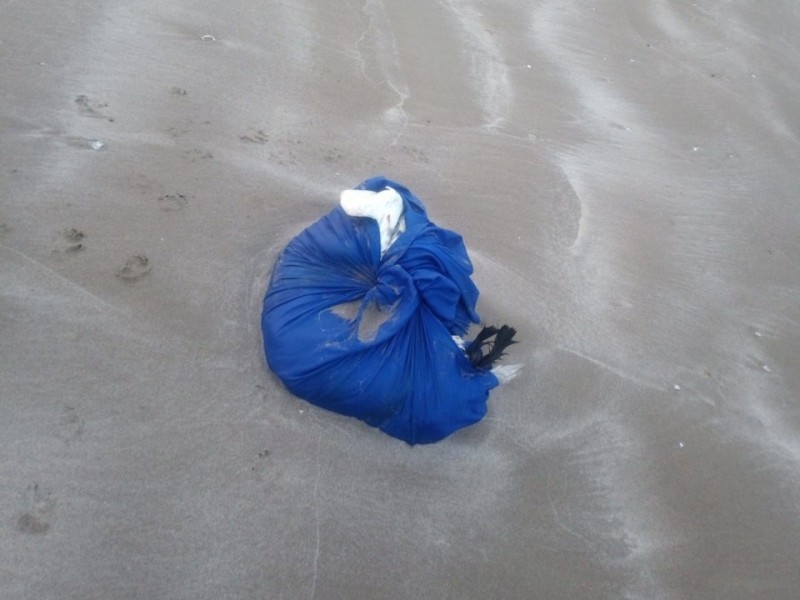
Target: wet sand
(625,177)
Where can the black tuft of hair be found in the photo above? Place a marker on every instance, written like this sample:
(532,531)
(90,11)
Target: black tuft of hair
(484,351)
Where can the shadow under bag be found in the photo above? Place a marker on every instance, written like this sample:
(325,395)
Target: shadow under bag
(370,336)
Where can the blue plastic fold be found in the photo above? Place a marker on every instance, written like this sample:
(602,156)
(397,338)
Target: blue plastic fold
(371,337)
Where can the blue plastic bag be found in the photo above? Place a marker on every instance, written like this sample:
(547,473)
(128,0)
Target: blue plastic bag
(370,336)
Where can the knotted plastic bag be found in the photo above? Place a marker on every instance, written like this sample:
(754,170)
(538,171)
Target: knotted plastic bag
(371,336)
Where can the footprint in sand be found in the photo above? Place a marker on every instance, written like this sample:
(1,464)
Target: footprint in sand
(135,268)
(71,424)
(262,464)
(88,108)
(284,157)
(416,154)
(172,202)
(84,143)
(38,512)
(259,137)
(333,155)
(196,154)
(74,238)
(70,241)
(175,131)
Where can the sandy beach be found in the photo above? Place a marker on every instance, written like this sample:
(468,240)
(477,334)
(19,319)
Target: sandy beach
(625,176)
